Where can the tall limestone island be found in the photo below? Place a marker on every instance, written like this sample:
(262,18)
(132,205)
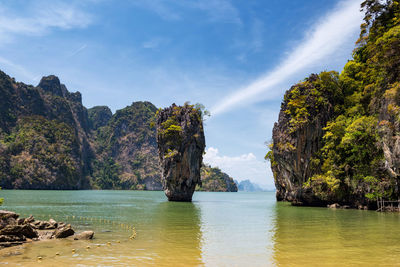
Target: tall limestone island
(338,135)
(181,143)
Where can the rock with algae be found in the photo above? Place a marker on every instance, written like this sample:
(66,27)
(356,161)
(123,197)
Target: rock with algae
(181,143)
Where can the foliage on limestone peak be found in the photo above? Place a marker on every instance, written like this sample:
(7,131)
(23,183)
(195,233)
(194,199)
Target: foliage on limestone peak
(179,117)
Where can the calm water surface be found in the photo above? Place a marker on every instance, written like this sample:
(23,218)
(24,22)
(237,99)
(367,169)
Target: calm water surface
(217,229)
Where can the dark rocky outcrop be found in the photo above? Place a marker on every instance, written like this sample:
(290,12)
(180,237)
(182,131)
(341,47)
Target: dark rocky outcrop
(15,230)
(181,143)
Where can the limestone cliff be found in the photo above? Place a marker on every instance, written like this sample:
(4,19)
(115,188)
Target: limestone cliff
(296,142)
(43,136)
(126,150)
(337,138)
(181,143)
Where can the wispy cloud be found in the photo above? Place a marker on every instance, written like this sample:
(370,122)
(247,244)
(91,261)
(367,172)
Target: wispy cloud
(155,42)
(39,19)
(77,51)
(216,10)
(241,167)
(327,36)
(253,43)
(161,7)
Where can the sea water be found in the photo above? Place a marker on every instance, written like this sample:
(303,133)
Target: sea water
(216,229)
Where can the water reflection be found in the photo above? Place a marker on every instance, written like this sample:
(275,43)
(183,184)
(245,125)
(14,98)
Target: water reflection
(236,228)
(306,236)
(177,235)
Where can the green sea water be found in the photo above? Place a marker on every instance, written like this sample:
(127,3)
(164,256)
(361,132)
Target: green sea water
(216,229)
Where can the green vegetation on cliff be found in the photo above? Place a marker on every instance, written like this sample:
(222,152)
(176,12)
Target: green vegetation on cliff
(346,126)
(171,129)
(214,180)
(41,154)
(126,150)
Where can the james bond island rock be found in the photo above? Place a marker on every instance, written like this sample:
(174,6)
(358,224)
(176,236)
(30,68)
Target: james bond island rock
(337,140)
(181,143)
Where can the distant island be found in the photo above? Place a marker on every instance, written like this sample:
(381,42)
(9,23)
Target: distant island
(248,186)
(49,140)
(337,140)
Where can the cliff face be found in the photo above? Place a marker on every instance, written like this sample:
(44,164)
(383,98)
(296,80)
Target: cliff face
(44,144)
(181,143)
(337,138)
(126,145)
(297,137)
(99,116)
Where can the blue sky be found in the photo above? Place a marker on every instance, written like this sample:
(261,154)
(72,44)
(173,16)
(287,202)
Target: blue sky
(235,57)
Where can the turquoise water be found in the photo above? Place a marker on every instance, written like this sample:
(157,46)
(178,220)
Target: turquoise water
(217,229)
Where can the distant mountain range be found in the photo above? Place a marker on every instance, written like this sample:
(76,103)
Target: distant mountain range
(49,140)
(248,186)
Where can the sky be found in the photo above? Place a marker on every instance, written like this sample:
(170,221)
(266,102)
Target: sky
(235,57)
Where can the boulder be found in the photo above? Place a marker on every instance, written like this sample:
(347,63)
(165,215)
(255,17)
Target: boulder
(334,206)
(5,214)
(19,230)
(30,219)
(52,222)
(43,235)
(181,143)
(16,231)
(10,244)
(64,232)
(86,235)
(11,238)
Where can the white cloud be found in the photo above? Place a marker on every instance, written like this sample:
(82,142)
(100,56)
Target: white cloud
(241,167)
(39,19)
(327,37)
